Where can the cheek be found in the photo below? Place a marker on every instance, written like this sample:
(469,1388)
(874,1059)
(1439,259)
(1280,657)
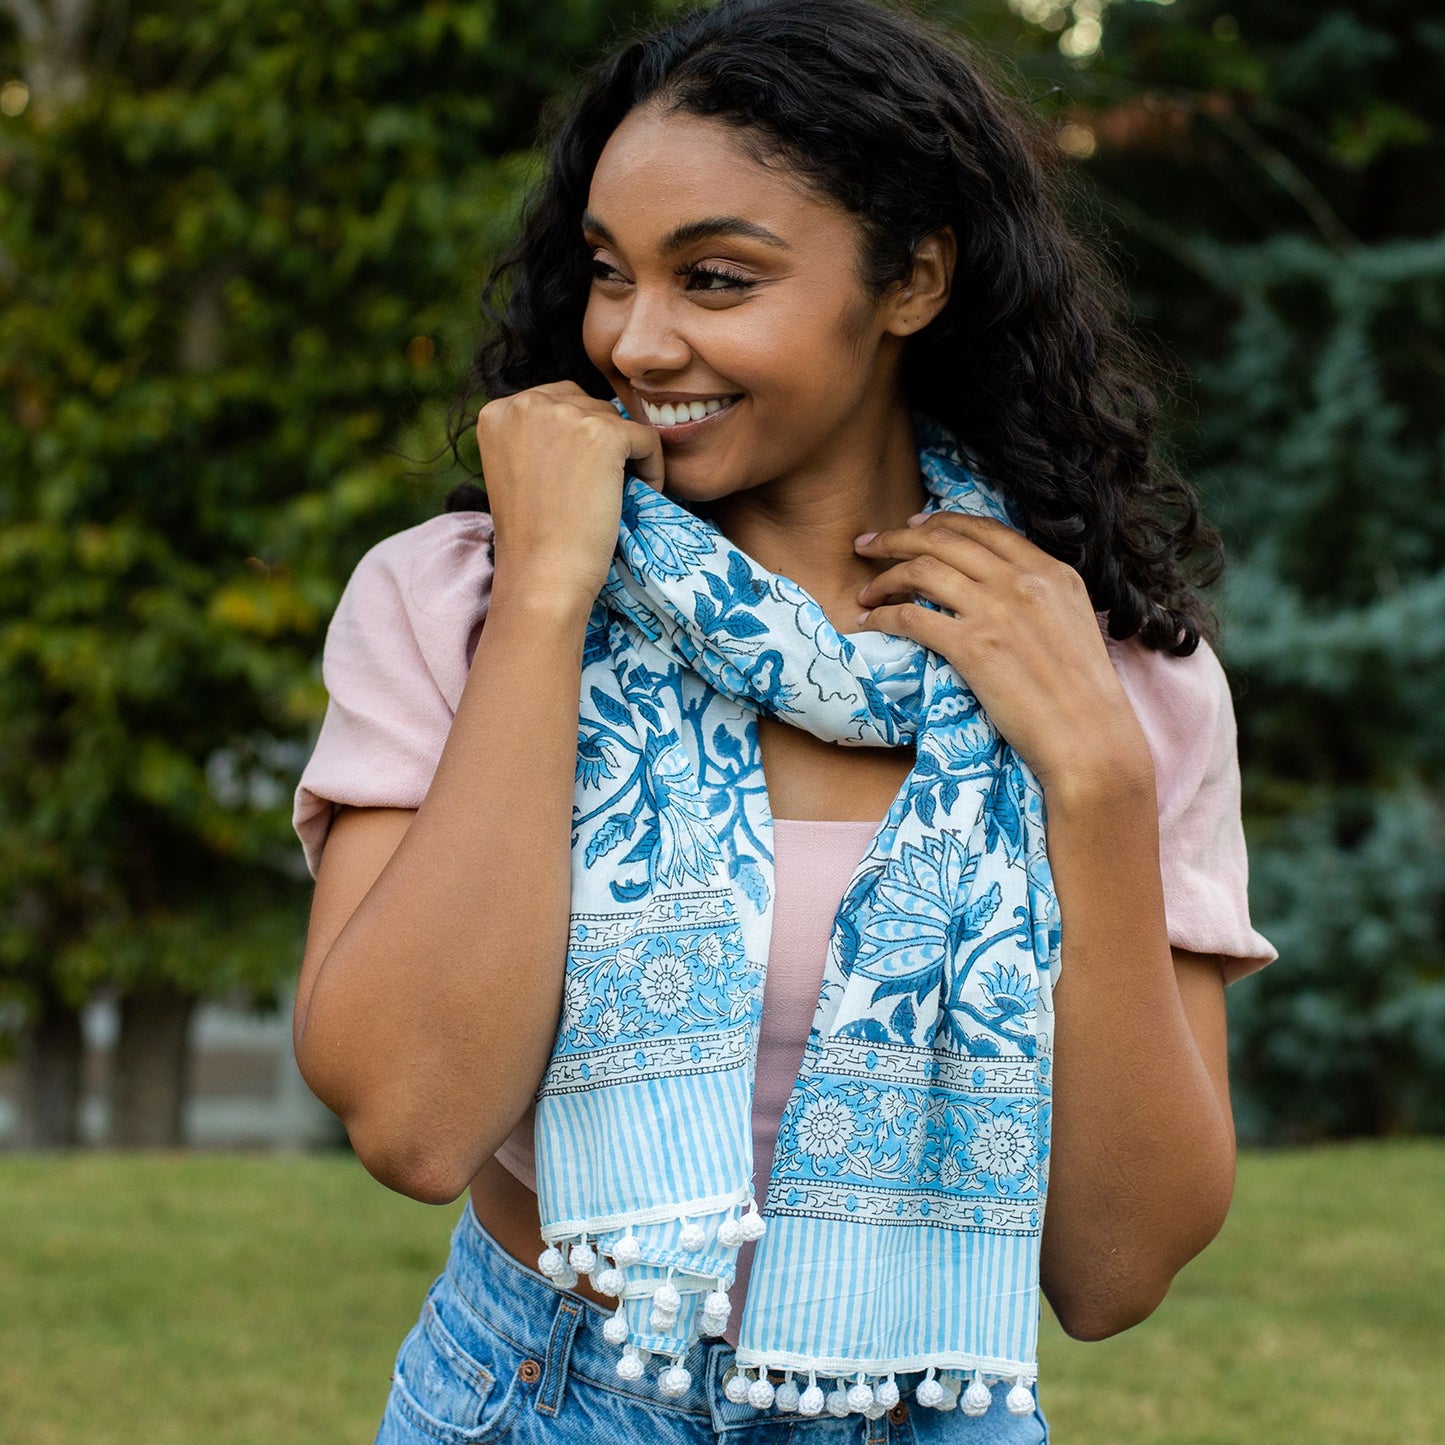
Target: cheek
(598,336)
(857,330)
(823,342)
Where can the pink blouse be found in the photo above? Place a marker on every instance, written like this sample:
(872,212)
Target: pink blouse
(396,659)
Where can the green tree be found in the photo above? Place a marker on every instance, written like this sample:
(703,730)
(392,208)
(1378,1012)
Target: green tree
(239,243)
(1271,174)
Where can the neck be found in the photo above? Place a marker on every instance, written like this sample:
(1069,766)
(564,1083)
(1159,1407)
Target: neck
(803,525)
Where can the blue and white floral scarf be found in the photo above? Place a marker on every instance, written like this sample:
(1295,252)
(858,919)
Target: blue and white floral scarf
(900,1222)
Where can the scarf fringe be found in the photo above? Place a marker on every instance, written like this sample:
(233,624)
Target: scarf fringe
(688,1304)
(871,1393)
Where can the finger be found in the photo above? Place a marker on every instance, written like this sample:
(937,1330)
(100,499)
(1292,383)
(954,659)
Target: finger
(644,453)
(1026,567)
(569,389)
(925,574)
(1004,541)
(644,443)
(908,619)
(551,390)
(965,554)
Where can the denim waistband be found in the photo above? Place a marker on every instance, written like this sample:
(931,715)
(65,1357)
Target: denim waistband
(562,1330)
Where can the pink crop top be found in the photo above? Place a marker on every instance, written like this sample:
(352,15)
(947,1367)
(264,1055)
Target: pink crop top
(396,659)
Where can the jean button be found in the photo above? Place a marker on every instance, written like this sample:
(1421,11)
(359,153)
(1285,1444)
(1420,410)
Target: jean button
(899,1413)
(530,1371)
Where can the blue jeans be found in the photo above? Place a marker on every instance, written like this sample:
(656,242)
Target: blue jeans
(499,1354)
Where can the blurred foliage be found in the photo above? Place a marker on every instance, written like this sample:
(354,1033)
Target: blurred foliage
(239,244)
(239,248)
(1272,173)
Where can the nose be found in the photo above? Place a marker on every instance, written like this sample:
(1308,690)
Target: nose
(649,340)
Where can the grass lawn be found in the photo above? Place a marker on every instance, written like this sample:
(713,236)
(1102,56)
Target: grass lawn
(233,1300)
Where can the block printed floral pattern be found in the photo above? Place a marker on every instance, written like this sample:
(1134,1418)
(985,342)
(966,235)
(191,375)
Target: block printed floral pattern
(924,1091)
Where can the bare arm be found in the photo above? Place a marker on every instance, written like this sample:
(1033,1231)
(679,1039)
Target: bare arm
(432,978)
(1142,1153)
(1141,1163)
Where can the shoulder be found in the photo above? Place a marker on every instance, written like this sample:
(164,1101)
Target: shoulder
(1185,709)
(427,564)
(418,597)
(1187,713)
(395,662)
(1182,692)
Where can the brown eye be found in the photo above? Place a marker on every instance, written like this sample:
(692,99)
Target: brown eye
(715,279)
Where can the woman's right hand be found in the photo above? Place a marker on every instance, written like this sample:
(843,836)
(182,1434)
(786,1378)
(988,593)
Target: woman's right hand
(552,461)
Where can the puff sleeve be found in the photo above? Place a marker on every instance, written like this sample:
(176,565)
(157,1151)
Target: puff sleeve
(1185,709)
(395,662)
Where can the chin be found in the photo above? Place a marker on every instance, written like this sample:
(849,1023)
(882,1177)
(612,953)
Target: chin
(687,500)
(694,491)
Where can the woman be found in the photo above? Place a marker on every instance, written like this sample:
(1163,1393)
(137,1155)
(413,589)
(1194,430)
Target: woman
(817,470)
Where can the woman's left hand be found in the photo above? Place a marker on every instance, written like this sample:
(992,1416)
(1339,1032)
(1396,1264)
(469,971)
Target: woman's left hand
(1023,635)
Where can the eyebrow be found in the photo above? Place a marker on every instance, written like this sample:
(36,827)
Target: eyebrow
(691,231)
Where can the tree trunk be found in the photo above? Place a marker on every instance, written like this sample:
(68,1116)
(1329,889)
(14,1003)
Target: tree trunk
(150,1074)
(51,1054)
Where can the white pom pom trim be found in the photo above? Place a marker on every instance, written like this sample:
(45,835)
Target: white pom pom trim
(787,1395)
(943,1388)
(870,1394)
(675,1379)
(978,1398)
(929,1391)
(760,1392)
(811,1402)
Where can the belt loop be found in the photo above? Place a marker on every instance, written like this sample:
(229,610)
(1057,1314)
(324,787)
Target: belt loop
(559,1352)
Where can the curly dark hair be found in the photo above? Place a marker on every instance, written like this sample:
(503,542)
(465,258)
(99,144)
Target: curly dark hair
(900,122)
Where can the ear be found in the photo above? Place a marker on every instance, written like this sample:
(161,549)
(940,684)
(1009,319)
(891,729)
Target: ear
(915,302)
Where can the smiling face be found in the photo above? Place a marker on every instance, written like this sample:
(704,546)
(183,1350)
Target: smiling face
(730,288)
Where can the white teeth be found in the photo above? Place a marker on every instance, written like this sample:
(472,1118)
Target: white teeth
(674,414)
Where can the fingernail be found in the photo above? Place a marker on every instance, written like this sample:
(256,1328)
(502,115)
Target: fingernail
(865,537)
(862,617)
(918,517)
